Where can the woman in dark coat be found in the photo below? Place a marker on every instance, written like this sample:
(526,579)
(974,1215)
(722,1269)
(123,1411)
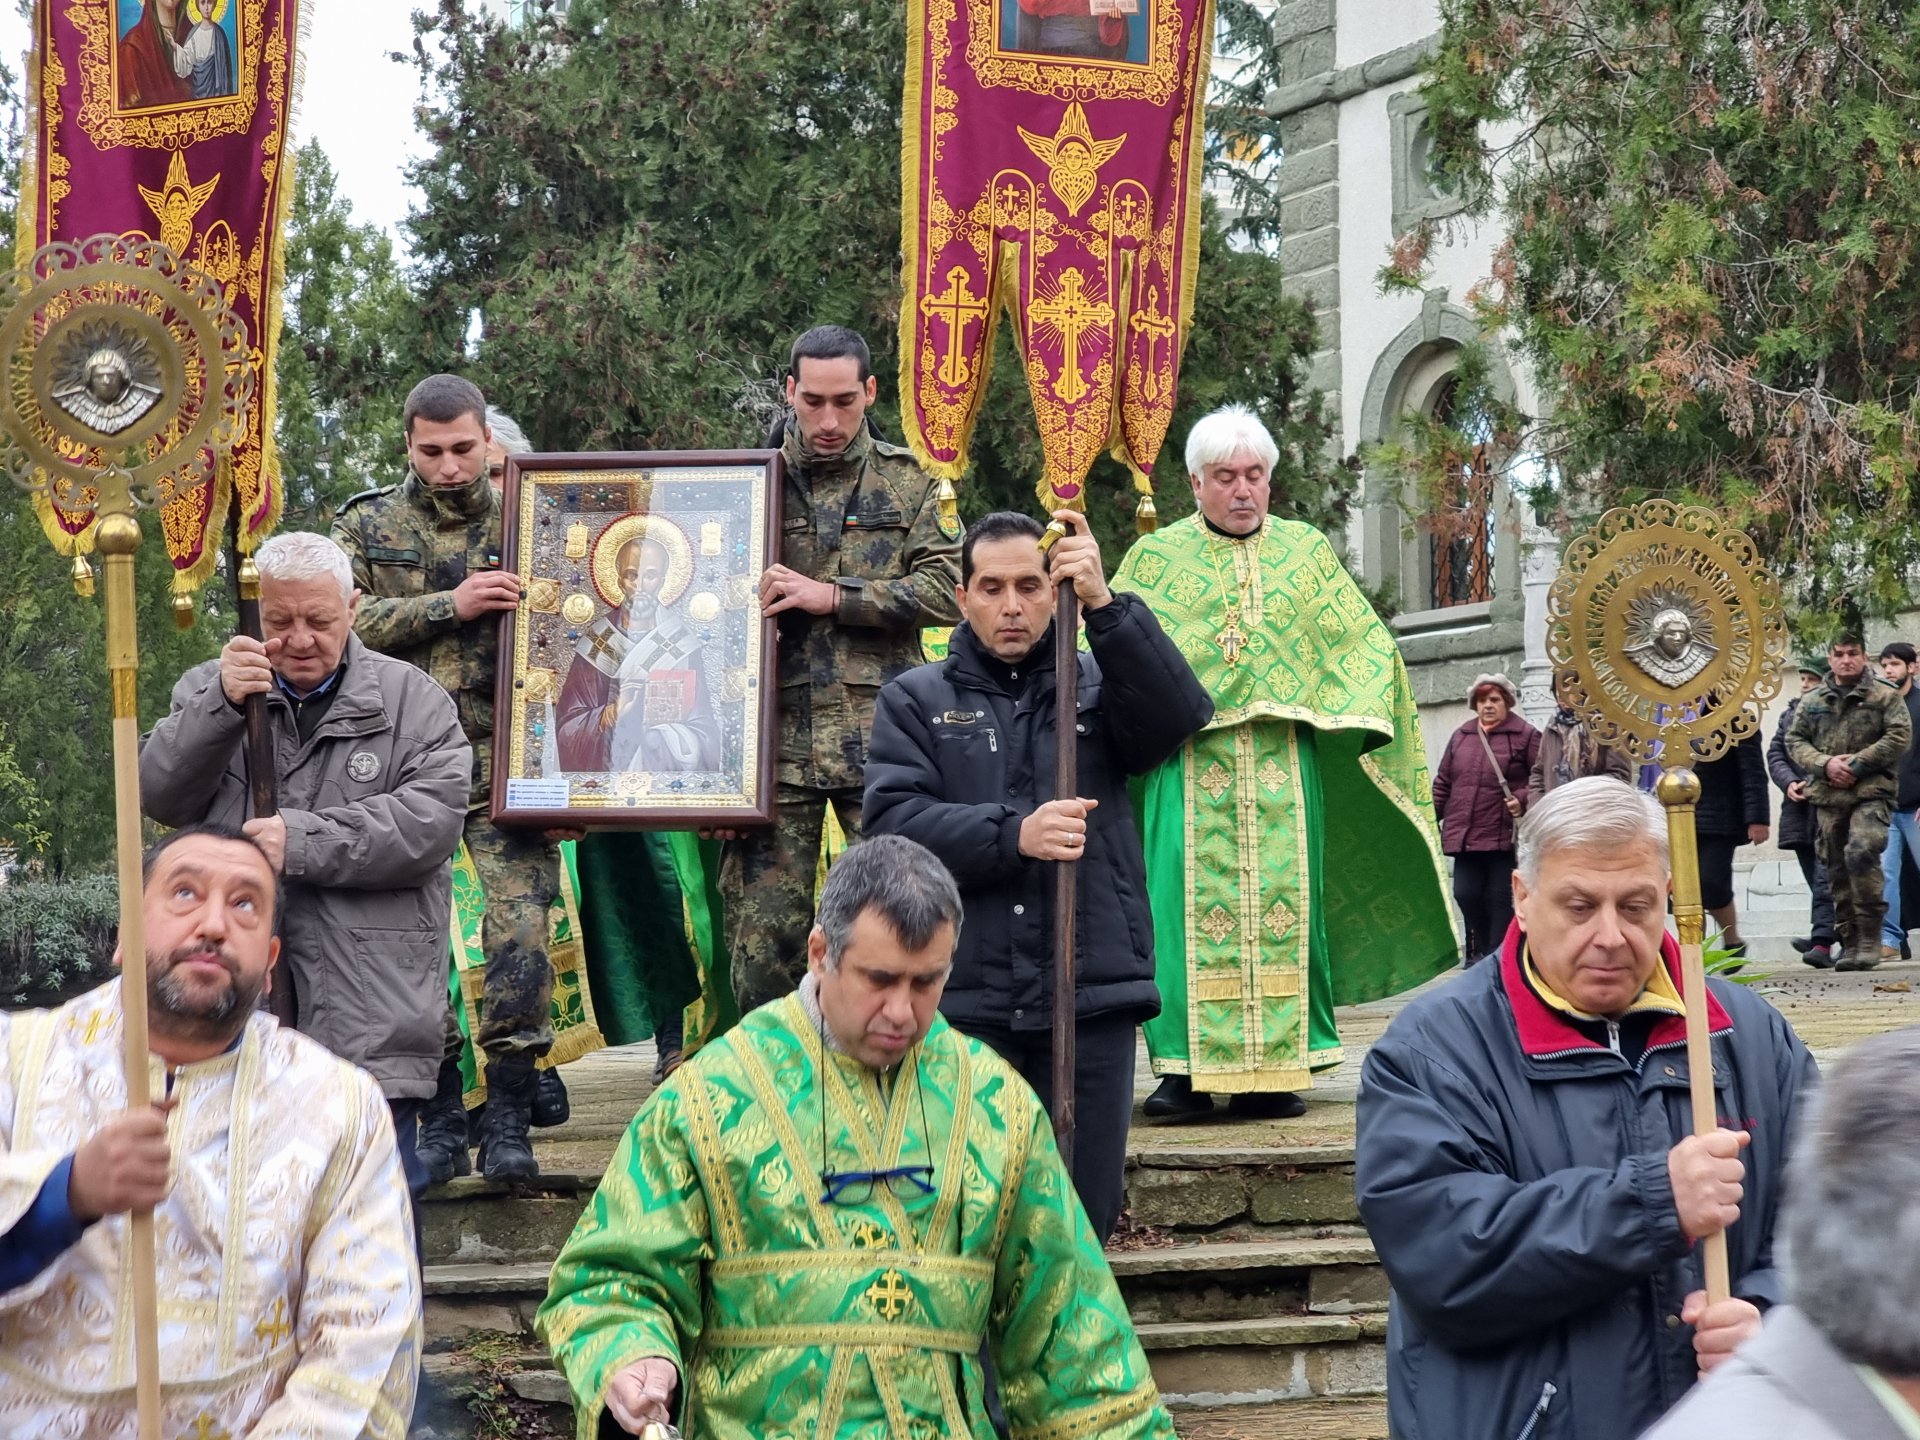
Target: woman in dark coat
(1732,812)
(1479,793)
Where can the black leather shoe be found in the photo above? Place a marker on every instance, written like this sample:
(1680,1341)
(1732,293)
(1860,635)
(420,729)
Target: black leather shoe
(442,1146)
(1821,957)
(550,1104)
(505,1151)
(1803,943)
(1176,1099)
(1267,1105)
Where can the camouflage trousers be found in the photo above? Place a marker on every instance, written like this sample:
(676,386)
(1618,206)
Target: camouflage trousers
(520,873)
(767,889)
(1852,841)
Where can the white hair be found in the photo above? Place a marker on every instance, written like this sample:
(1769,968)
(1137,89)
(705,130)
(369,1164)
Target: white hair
(1229,431)
(507,433)
(1597,814)
(303,555)
(1849,1230)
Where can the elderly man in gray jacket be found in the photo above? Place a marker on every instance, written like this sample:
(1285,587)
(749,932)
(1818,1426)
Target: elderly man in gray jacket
(373,771)
(1840,1360)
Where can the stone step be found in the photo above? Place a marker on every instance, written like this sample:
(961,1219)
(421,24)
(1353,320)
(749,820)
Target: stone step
(1248,1281)
(1218,1191)
(1286,1357)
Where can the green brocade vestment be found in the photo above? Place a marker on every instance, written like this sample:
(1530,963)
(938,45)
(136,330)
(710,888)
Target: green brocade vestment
(708,1244)
(1293,862)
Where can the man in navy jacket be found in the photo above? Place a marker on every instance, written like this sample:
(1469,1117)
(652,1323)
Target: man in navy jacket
(1526,1164)
(962,761)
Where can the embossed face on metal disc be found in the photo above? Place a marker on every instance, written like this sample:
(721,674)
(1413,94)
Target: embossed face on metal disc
(1672,629)
(106,377)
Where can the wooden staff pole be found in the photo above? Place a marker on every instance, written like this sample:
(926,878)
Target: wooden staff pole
(1066,784)
(1678,791)
(117,538)
(263,787)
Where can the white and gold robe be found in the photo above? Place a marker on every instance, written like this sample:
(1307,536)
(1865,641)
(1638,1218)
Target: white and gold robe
(289,1299)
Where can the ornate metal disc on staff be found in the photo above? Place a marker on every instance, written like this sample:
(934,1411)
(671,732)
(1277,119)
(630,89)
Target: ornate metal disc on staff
(125,373)
(1670,628)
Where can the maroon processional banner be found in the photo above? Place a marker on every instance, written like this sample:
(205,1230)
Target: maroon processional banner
(1052,160)
(168,120)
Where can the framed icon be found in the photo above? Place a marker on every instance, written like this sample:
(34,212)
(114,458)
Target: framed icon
(636,685)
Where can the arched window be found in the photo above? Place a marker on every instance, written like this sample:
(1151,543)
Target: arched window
(1460,541)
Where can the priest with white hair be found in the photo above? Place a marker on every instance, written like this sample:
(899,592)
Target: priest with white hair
(1293,861)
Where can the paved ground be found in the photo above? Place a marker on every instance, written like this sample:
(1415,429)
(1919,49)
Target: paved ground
(1829,1011)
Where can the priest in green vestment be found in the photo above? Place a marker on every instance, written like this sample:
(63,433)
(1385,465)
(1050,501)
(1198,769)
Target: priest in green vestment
(819,1221)
(1293,860)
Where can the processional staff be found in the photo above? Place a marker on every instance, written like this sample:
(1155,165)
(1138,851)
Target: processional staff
(133,374)
(1670,629)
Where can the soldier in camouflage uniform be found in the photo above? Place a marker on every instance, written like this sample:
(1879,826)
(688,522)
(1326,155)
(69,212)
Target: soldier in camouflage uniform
(866,561)
(426,556)
(1848,737)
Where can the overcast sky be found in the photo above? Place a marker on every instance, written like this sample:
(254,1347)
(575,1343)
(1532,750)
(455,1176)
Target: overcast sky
(356,102)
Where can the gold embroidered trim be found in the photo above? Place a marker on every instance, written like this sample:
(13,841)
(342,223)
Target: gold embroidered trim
(708,1156)
(1097,1419)
(803,1337)
(787,1262)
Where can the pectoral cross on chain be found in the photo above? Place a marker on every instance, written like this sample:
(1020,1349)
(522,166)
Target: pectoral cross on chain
(1230,640)
(959,307)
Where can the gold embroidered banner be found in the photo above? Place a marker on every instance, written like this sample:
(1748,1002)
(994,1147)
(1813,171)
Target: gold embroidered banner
(168,120)
(1051,168)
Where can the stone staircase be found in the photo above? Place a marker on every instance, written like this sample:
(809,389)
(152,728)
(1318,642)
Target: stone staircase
(1255,1292)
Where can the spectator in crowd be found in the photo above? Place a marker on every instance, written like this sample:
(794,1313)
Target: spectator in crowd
(1479,794)
(1568,750)
(1732,812)
(372,770)
(1841,1359)
(1526,1162)
(1897,667)
(1820,946)
(1850,735)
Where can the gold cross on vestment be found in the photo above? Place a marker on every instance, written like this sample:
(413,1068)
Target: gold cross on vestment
(205,1428)
(1156,327)
(959,307)
(274,1328)
(95,1023)
(890,1295)
(1072,313)
(1231,641)
(603,646)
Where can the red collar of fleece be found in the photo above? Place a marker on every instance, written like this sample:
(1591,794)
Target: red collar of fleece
(1545,1031)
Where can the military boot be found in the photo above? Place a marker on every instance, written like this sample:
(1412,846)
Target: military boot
(505,1151)
(550,1104)
(443,1128)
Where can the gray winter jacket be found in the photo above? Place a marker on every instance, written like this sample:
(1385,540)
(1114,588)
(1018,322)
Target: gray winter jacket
(374,802)
(1511,1168)
(1787,1383)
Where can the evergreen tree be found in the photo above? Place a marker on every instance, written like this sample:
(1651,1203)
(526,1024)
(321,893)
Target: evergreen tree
(644,204)
(1711,215)
(344,362)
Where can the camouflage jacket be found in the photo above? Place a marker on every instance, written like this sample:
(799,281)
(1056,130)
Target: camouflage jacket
(869,522)
(1868,721)
(410,546)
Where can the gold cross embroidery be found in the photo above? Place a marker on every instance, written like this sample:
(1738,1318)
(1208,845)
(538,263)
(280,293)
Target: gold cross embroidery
(1071,313)
(959,307)
(1215,779)
(869,1236)
(890,1295)
(95,1023)
(1278,919)
(206,1428)
(274,1328)
(1218,924)
(1272,776)
(1156,326)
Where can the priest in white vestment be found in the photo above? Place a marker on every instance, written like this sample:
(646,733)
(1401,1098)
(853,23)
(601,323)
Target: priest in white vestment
(289,1297)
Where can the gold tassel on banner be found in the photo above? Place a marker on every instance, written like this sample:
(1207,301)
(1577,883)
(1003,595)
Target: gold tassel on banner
(1146,519)
(183,613)
(949,502)
(82,577)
